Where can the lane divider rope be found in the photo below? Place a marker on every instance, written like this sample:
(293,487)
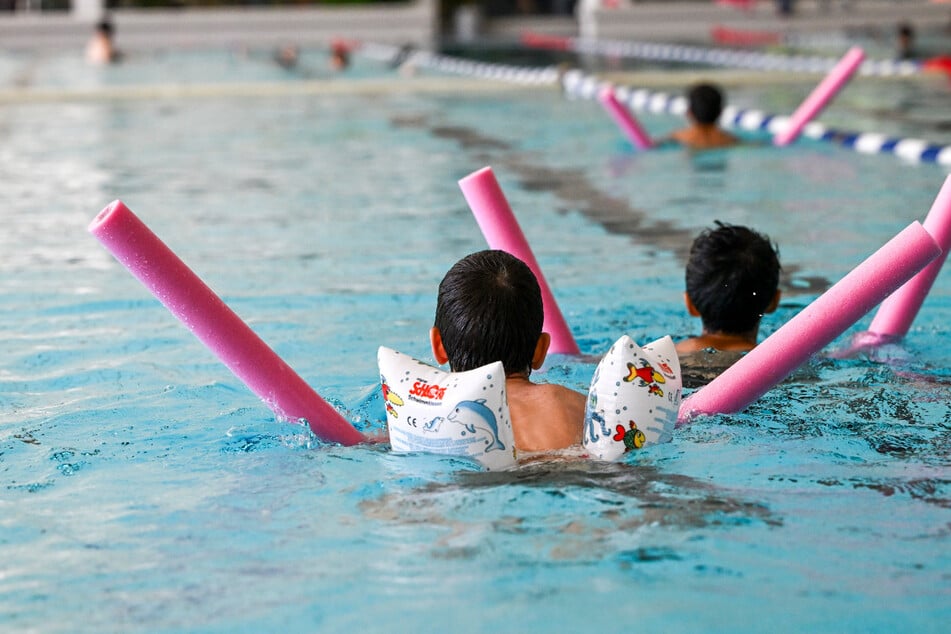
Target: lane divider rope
(578,84)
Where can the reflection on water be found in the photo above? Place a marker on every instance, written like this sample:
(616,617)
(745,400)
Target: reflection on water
(567,511)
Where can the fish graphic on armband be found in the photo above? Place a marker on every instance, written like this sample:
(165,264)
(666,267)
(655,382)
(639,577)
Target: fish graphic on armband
(649,377)
(390,398)
(473,415)
(667,370)
(633,438)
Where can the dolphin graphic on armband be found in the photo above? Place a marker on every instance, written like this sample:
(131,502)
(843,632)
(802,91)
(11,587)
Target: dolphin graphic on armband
(475,415)
(433,425)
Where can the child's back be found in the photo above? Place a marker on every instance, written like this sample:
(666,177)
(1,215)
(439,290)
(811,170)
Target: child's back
(705,104)
(545,417)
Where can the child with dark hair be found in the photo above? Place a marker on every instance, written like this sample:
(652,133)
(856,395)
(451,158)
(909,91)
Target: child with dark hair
(905,35)
(489,308)
(732,280)
(100,49)
(705,105)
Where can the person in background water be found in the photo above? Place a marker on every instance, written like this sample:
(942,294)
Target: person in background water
(100,49)
(785,8)
(339,56)
(905,41)
(489,308)
(732,280)
(704,107)
(287,56)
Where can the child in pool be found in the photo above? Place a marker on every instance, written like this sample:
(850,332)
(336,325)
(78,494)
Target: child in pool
(100,49)
(732,279)
(705,104)
(489,308)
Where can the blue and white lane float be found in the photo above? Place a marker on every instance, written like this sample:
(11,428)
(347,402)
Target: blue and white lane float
(585,86)
(578,84)
(543,76)
(728,58)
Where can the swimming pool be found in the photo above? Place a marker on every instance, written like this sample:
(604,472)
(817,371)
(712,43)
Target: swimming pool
(144,488)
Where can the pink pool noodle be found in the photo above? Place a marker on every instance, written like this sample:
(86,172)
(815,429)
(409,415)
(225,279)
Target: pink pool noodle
(899,309)
(838,77)
(216,325)
(815,326)
(501,231)
(625,120)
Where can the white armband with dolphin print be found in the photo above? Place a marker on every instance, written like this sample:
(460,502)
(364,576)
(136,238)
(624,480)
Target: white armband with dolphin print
(456,413)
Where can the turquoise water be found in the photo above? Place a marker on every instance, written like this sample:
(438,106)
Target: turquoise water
(143,488)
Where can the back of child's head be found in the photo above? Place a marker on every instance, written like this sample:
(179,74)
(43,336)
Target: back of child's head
(104,26)
(705,103)
(732,277)
(489,308)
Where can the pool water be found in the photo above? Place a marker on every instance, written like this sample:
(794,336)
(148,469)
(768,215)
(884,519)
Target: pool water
(143,488)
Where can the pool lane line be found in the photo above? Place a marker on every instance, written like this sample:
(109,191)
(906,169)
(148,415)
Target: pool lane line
(587,86)
(526,75)
(576,83)
(222,331)
(728,58)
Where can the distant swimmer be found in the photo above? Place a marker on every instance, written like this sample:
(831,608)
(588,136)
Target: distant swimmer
(704,107)
(100,49)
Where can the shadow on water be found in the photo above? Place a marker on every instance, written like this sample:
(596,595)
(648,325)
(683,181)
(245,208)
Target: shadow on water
(596,501)
(574,189)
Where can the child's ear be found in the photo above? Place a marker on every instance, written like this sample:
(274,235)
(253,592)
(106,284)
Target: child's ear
(773,305)
(439,352)
(541,350)
(690,307)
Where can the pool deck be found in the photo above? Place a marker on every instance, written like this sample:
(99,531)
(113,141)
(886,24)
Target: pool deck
(417,22)
(693,22)
(252,27)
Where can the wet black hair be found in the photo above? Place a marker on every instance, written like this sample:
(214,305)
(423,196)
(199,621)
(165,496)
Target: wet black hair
(732,276)
(705,102)
(489,308)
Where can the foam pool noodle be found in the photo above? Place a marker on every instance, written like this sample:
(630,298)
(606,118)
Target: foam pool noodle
(814,326)
(898,311)
(625,120)
(833,82)
(502,231)
(216,325)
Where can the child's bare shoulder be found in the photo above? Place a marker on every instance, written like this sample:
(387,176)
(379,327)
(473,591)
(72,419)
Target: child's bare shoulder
(561,393)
